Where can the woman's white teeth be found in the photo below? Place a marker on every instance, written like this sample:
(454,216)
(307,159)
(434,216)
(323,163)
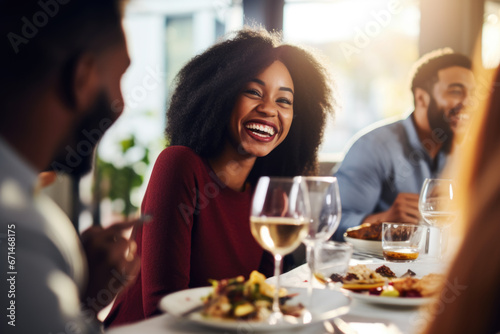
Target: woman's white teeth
(260,134)
(264,130)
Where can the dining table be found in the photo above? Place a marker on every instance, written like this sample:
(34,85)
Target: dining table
(362,316)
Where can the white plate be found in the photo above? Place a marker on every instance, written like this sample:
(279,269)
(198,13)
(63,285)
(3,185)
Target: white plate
(327,304)
(399,301)
(419,268)
(367,246)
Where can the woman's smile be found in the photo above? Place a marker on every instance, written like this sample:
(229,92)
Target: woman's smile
(261,130)
(263,112)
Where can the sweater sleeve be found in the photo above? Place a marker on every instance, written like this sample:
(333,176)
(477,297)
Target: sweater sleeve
(166,240)
(360,179)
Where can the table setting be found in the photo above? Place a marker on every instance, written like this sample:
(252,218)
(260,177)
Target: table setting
(287,212)
(362,316)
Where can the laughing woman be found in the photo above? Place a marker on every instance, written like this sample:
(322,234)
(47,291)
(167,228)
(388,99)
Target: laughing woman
(246,107)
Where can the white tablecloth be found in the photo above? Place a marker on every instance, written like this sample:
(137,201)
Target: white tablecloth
(167,324)
(363,317)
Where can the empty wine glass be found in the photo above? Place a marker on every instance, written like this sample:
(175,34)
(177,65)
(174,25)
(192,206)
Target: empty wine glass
(437,205)
(324,199)
(332,261)
(279,221)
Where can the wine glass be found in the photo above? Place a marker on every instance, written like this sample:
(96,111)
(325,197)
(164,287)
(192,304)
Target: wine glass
(279,221)
(324,199)
(437,205)
(332,261)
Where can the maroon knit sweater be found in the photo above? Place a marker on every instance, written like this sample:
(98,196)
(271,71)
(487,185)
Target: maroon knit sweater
(200,230)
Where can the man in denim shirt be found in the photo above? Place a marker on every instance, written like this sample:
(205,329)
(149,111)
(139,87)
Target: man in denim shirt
(382,173)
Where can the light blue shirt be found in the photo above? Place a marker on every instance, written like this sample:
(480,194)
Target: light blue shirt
(43,268)
(379,165)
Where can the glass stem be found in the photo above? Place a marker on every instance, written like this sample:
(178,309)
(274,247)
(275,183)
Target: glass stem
(312,267)
(441,239)
(277,271)
(427,240)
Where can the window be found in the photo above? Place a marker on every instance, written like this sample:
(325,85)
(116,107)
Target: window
(371,46)
(491,34)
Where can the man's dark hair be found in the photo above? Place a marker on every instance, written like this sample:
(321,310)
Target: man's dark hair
(43,38)
(425,71)
(207,88)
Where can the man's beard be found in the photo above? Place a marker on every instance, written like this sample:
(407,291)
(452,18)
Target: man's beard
(77,155)
(440,125)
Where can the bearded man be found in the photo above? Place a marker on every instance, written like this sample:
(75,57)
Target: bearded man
(61,64)
(383,171)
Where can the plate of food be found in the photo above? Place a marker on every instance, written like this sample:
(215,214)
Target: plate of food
(395,284)
(366,238)
(236,304)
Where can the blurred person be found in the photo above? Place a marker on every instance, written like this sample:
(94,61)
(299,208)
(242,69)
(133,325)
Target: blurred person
(382,173)
(248,106)
(470,300)
(61,63)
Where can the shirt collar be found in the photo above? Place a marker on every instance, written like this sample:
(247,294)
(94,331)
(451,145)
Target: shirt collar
(414,140)
(412,134)
(13,165)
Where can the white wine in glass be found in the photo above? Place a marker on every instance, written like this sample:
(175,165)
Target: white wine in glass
(279,235)
(279,221)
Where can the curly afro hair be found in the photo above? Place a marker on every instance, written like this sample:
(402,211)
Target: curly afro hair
(208,85)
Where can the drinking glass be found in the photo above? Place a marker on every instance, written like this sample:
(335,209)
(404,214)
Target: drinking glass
(437,205)
(332,261)
(324,199)
(402,242)
(279,221)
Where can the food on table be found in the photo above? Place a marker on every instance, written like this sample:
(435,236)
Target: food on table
(426,286)
(336,278)
(363,274)
(366,231)
(385,271)
(361,277)
(324,280)
(390,292)
(382,281)
(234,298)
(409,273)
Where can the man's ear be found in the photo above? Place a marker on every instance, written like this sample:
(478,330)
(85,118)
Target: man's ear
(422,98)
(80,81)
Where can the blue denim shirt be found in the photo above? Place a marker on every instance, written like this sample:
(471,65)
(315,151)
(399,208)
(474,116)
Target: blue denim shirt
(379,165)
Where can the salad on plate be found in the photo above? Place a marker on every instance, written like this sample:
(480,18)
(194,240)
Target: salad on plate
(235,298)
